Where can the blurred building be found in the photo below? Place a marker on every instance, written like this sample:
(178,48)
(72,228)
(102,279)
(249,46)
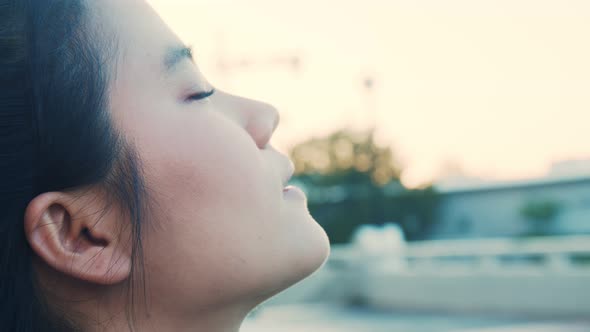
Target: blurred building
(558,204)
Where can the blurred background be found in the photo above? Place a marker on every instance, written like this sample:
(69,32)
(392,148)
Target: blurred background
(442,144)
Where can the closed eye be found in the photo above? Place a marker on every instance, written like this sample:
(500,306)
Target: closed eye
(200,95)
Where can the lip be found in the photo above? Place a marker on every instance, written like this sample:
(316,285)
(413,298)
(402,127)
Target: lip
(293,192)
(288,173)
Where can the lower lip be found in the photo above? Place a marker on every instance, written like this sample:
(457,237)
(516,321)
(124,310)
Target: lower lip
(293,192)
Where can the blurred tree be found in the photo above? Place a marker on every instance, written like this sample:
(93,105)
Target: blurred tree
(351,181)
(541,214)
(345,151)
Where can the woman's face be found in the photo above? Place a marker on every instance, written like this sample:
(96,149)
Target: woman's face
(223,230)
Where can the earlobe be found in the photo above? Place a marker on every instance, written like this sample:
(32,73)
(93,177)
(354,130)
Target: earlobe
(73,236)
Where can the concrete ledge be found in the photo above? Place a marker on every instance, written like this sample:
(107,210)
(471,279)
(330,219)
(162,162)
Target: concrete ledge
(509,294)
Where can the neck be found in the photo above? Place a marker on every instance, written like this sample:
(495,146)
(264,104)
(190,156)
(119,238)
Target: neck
(228,319)
(161,322)
(105,309)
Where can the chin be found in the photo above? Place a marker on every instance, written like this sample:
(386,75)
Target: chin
(321,254)
(303,249)
(310,256)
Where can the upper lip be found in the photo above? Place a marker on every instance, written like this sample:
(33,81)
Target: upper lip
(289,172)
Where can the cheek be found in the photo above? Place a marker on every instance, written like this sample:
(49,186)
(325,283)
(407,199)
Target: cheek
(219,212)
(220,207)
(211,163)
(212,185)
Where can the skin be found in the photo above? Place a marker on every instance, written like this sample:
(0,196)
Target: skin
(222,235)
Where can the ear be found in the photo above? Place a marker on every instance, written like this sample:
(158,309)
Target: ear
(76,235)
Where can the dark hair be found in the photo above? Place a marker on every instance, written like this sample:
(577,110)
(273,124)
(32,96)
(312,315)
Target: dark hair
(55,134)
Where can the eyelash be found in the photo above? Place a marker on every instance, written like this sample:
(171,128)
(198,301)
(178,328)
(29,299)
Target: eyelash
(201,95)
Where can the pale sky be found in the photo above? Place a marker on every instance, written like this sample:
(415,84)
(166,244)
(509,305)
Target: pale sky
(500,87)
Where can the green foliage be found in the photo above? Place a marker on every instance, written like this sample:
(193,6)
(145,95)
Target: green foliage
(540,214)
(351,181)
(345,153)
(540,210)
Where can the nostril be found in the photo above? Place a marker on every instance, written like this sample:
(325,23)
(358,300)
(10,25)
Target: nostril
(261,132)
(262,120)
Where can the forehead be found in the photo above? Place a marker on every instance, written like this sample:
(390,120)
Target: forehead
(138,90)
(142,37)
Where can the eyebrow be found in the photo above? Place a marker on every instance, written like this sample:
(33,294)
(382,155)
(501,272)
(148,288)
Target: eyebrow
(175,55)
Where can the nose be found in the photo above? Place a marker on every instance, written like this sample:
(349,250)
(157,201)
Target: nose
(259,119)
(262,122)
